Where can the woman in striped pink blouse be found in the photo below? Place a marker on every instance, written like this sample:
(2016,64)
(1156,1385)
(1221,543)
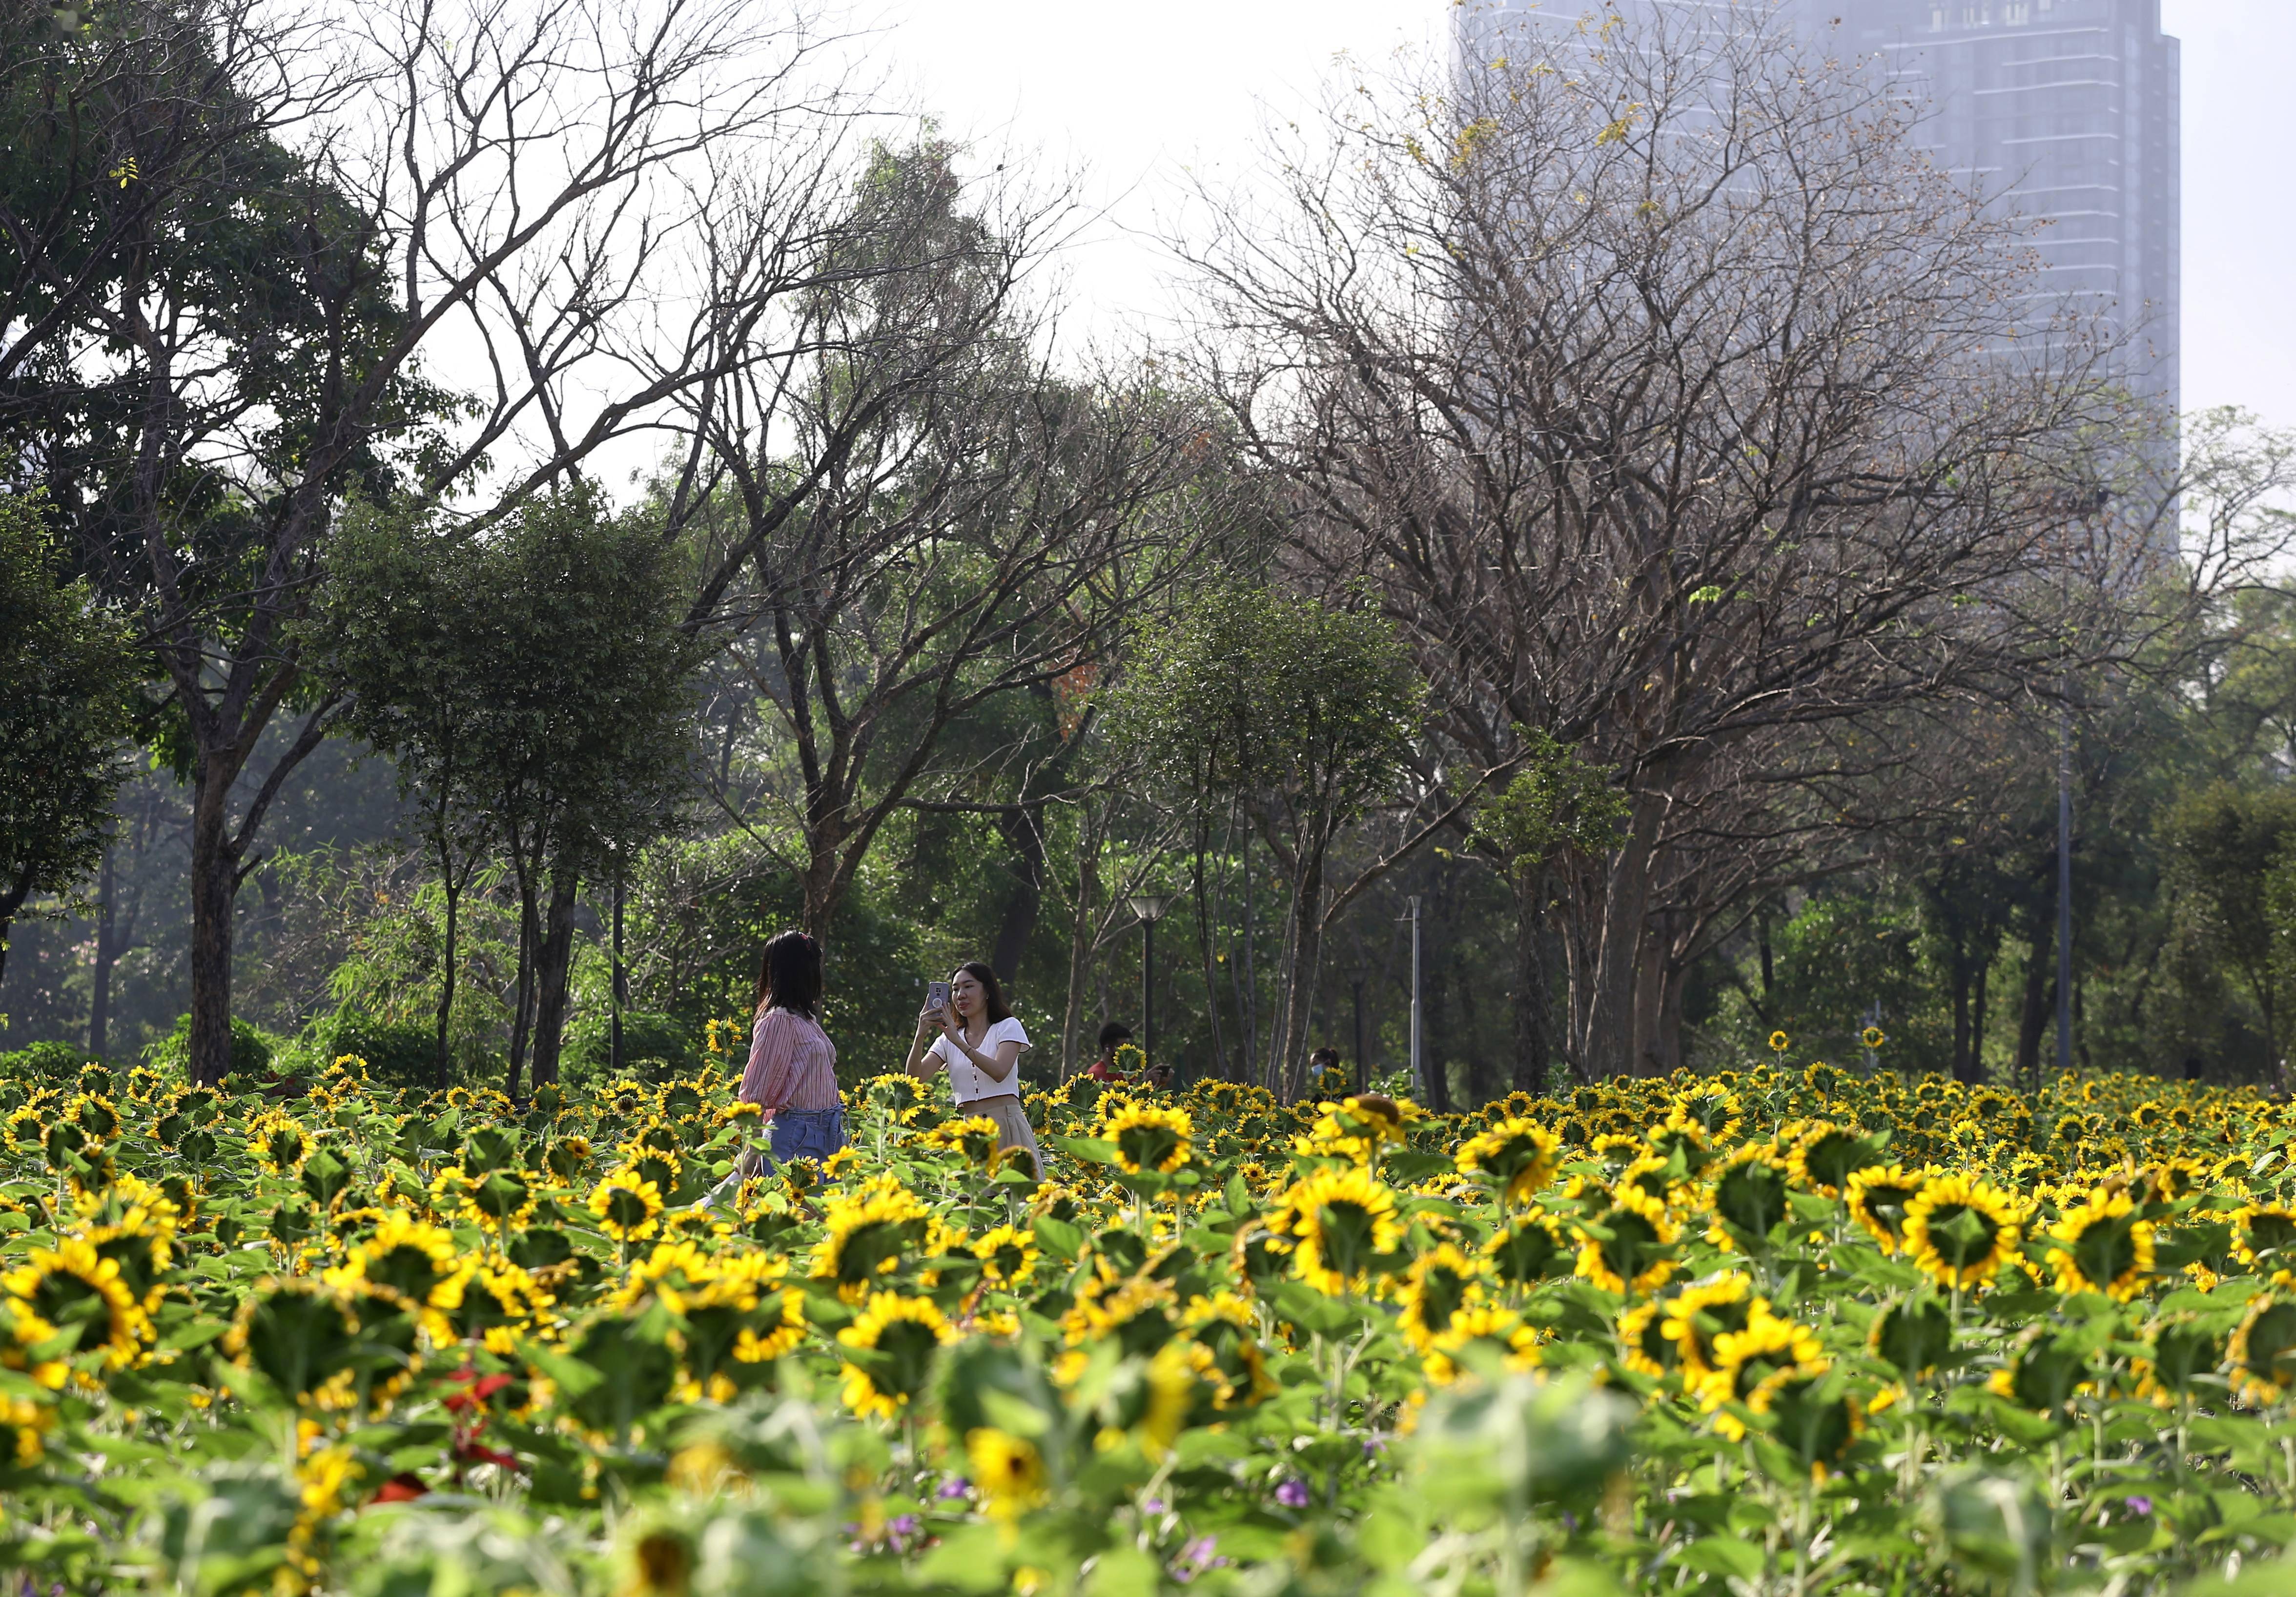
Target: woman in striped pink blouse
(792,1070)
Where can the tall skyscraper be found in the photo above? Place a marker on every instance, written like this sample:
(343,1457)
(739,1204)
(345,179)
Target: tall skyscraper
(2066,110)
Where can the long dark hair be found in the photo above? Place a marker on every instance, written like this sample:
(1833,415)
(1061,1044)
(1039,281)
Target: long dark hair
(788,977)
(992,991)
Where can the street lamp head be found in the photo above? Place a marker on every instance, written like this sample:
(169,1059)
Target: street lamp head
(1148,907)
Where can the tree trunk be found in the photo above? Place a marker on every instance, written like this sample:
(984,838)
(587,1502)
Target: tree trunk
(1964,1064)
(446,970)
(1977,1017)
(1307,961)
(1204,952)
(107,950)
(212,890)
(1434,1022)
(1087,900)
(1673,983)
(1024,835)
(2041,990)
(528,937)
(11,900)
(1762,925)
(1530,997)
(1608,1045)
(817,881)
(1249,977)
(1650,994)
(553,968)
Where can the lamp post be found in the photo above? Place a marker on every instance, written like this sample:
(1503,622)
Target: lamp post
(1150,908)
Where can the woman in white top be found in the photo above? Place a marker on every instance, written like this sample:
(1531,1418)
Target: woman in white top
(979,1044)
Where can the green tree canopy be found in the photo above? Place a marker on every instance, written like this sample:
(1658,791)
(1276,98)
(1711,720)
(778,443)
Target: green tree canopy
(1299,713)
(535,684)
(67,667)
(2222,841)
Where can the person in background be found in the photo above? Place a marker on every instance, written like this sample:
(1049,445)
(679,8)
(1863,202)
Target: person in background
(792,1070)
(1321,1065)
(1112,1036)
(980,1045)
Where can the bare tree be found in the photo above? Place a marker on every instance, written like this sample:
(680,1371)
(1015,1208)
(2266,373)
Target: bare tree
(267,242)
(1666,398)
(906,512)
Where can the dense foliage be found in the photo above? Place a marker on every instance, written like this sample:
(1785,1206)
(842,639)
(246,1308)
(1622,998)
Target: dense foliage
(1785,1331)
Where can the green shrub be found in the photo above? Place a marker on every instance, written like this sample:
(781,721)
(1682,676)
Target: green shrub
(655,1047)
(251,1048)
(54,1064)
(398,1053)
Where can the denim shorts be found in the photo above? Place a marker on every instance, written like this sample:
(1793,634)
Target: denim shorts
(813,1134)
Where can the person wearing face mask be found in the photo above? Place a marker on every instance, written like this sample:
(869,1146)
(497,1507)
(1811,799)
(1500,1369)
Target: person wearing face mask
(977,1040)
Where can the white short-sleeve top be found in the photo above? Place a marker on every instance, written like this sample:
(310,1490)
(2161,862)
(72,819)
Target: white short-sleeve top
(968,1081)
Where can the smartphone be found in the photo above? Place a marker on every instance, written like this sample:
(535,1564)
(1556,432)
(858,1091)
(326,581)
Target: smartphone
(937,995)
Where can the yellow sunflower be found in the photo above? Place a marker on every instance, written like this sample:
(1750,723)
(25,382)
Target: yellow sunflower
(1224,1326)
(1441,1282)
(1485,1325)
(897,1337)
(406,1259)
(1959,1231)
(1825,1157)
(1519,1156)
(1135,1312)
(1877,1199)
(868,1234)
(627,1207)
(1643,1346)
(973,1138)
(1700,1313)
(24,1424)
(492,1303)
(1150,1138)
(1713,1108)
(278,1143)
(2182,1352)
(1007,1256)
(1750,1366)
(73,1285)
(1339,1221)
(1626,1248)
(2264,1236)
(2263,1351)
(1007,1470)
(2102,1246)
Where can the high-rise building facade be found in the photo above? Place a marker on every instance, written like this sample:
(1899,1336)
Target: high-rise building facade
(2067,110)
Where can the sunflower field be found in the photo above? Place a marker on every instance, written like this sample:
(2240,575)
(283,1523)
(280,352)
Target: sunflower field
(1789,1331)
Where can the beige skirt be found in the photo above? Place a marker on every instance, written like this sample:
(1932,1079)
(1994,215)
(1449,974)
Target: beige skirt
(1012,1129)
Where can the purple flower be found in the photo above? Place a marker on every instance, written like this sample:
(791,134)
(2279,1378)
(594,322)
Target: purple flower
(2141,1507)
(954,1487)
(1154,1505)
(1195,1558)
(1292,1493)
(1374,1445)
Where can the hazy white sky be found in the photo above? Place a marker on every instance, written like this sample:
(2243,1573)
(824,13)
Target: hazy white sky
(1131,93)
